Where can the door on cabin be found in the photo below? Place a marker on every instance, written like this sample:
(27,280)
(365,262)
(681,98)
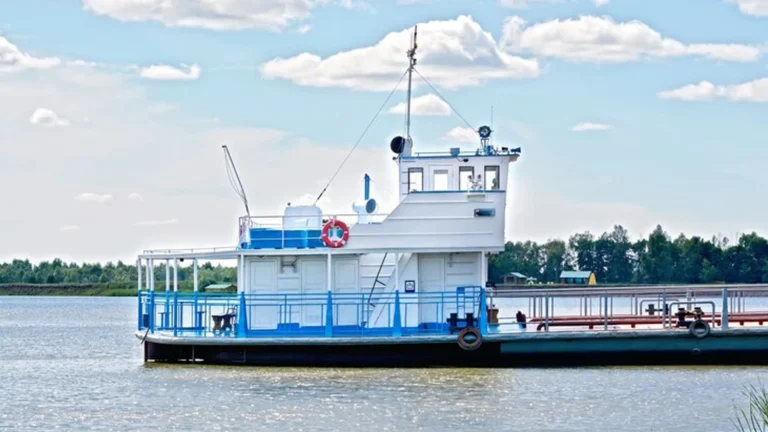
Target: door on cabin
(431,284)
(346,288)
(314,287)
(262,279)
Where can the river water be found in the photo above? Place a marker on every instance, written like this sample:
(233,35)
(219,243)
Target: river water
(74,364)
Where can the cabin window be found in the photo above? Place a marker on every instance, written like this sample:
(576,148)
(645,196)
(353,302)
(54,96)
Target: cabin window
(492,177)
(415,179)
(466,177)
(440,180)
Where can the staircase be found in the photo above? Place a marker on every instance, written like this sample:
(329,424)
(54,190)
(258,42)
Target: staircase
(384,292)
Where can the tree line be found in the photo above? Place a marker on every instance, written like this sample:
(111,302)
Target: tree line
(59,272)
(614,258)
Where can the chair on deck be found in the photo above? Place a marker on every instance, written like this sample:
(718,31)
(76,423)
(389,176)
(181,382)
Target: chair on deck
(226,321)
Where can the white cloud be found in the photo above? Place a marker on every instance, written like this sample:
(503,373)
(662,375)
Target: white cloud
(12,59)
(158,222)
(47,118)
(586,127)
(520,4)
(428,105)
(105,199)
(751,91)
(45,172)
(599,3)
(452,54)
(133,196)
(704,90)
(304,29)
(171,73)
(600,39)
(463,135)
(752,7)
(69,228)
(214,15)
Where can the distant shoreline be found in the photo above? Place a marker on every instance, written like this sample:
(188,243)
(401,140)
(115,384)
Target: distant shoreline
(80,290)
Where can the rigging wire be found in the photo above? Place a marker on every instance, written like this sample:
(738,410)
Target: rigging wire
(232,180)
(444,99)
(361,136)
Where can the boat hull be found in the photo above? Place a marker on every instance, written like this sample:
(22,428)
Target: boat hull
(551,350)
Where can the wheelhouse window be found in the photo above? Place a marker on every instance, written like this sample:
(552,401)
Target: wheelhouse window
(415,180)
(492,177)
(466,177)
(440,180)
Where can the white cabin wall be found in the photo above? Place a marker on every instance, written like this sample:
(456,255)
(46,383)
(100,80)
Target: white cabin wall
(436,220)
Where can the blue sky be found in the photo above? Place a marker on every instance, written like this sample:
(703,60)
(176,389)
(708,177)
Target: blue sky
(112,112)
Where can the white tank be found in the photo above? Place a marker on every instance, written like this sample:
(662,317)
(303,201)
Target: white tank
(303,217)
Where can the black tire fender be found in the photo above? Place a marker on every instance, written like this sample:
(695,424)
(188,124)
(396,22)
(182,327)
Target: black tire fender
(699,329)
(470,339)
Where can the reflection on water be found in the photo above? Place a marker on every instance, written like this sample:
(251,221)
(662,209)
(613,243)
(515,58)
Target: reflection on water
(74,364)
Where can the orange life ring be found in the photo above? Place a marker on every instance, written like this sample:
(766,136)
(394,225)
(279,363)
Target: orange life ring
(335,242)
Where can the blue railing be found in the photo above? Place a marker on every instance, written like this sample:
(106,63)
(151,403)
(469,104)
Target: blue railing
(309,314)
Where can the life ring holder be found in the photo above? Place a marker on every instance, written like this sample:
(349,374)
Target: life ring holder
(476,339)
(699,329)
(335,242)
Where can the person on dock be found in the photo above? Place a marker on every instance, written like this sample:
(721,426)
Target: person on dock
(521,321)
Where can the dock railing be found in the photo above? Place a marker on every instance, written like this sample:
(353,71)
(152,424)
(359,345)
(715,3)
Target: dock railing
(321,314)
(630,307)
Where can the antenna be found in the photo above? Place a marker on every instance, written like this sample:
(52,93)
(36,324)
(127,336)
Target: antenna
(411,65)
(491,123)
(239,186)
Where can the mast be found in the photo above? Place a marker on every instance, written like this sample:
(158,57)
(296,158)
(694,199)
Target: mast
(411,65)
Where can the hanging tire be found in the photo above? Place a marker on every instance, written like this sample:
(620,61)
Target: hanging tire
(699,329)
(470,339)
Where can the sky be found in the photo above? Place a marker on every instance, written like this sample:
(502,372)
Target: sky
(113,113)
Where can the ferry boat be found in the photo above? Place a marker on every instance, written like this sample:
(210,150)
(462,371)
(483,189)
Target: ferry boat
(408,288)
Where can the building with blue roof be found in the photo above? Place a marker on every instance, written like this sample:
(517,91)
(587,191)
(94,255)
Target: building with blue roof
(578,277)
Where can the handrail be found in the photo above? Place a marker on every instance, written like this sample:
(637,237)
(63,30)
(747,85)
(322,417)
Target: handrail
(626,290)
(276,313)
(375,281)
(190,250)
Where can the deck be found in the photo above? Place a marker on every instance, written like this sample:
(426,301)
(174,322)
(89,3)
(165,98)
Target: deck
(593,326)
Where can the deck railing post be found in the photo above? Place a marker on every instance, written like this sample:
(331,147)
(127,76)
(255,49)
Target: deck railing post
(605,318)
(166,316)
(175,313)
(397,325)
(724,313)
(242,317)
(664,309)
(151,311)
(483,313)
(140,307)
(546,311)
(329,315)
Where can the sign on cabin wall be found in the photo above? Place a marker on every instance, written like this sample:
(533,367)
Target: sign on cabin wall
(410,286)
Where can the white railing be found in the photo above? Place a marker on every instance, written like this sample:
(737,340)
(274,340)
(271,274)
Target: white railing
(189,250)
